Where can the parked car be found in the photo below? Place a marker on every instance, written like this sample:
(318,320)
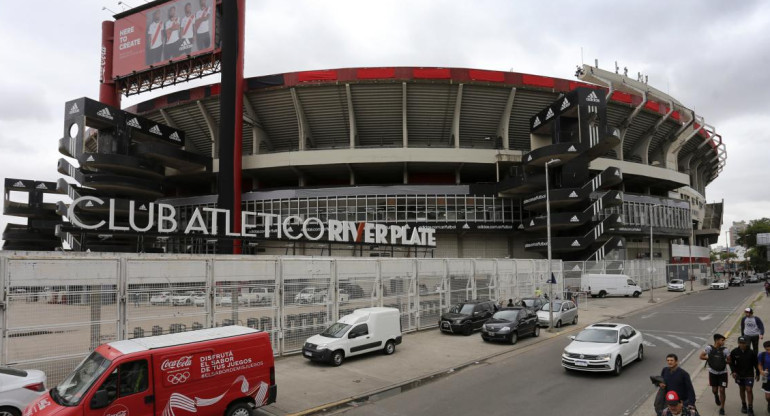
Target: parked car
(256,296)
(312,294)
(564,312)
(735,281)
(676,285)
(184,298)
(508,324)
(365,330)
(532,303)
(603,347)
(466,317)
(355,291)
(719,284)
(602,285)
(162,298)
(754,278)
(18,388)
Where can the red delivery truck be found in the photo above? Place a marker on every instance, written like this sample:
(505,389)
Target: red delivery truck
(217,371)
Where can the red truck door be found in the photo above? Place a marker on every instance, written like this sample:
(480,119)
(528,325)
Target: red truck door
(126,391)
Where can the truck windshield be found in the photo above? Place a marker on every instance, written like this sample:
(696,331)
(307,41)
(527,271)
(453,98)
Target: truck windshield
(336,331)
(70,391)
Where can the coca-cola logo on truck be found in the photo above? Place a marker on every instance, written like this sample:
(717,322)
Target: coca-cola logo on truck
(176,364)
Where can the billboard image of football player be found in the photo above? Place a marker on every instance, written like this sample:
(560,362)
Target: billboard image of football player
(203,25)
(173,40)
(154,48)
(188,30)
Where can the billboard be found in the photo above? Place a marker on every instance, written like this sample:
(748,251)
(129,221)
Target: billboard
(162,32)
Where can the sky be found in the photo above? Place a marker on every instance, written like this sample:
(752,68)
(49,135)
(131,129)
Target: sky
(709,55)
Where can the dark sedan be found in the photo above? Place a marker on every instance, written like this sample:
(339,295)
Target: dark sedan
(736,281)
(508,324)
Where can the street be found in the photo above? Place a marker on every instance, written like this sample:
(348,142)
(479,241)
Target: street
(531,380)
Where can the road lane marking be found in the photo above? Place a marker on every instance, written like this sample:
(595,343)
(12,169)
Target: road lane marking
(664,340)
(686,341)
(647,343)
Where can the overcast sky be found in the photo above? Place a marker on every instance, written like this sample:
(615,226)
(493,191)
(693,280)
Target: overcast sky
(712,56)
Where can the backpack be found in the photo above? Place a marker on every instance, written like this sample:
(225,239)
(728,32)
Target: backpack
(716,359)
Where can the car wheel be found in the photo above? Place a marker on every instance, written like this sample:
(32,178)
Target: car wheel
(574,321)
(602,294)
(618,366)
(390,347)
(467,329)
(636,294)
(513,338)
(9,411)
(240,409)
(640,354)
(558,324)
(536,332)
(485,339)
(337,358)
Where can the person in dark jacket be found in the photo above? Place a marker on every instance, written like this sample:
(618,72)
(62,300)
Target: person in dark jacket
(743,368)
(678,380)
(752,329)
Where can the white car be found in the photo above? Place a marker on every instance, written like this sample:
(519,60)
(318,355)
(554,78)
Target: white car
(162,298)
(184,298)
(18,388)
(719,284)
(603,347)
(676,285)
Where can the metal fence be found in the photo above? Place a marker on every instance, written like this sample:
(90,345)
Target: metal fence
(56,307)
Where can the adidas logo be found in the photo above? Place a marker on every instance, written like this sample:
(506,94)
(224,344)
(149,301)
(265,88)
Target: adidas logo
(41,186)
(532,223)
(573,194)
(592,97)
(564,104)
(521,226)
(142,208)
(105,112)
(574,219)
(185,44)
(617,196)
(155,129)
(536,123)
(74,109)
(466,226)
(572,149)
(19,184)
(134,123)
(90,159)
(575,244)
(549,114)
(529,158)
(576,268)
(89,204)
(617,172)
(175,137)
(620,243)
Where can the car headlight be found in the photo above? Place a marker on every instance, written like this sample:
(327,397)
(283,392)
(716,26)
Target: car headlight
(504,330)
(320,347)
(459,321)
(604,357)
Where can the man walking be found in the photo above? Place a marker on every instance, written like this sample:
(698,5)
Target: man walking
(677,380)
(743,368)
(764,367)
(752,329)
(717,357)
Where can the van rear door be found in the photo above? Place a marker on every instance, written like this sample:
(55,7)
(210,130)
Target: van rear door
(126,390)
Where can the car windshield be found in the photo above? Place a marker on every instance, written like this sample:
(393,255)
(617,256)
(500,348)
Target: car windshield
(336,331)
(676,281)
(463,308)
(605,336)
(70,391)
(509,315)
(556,307)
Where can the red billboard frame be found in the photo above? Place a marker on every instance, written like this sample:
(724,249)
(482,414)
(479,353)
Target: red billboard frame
(163,33)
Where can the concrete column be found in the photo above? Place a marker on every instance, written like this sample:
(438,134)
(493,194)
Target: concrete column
(456,117)
(404,126)
(505,118)
(351,117)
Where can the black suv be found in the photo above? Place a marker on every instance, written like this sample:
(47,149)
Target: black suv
(465,317)
(508,324)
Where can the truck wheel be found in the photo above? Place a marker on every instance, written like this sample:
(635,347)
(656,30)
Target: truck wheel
(602,294)
(239,409)
(636,294)
(9,411)
(337,358)
(390,348)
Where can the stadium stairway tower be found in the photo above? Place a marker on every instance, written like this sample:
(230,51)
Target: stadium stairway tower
(572,130)
(41,216)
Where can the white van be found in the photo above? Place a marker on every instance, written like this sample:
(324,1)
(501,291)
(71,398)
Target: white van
(602,285)
(365,330)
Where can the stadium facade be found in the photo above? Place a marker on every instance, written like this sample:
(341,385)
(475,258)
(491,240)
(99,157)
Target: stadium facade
(462,151)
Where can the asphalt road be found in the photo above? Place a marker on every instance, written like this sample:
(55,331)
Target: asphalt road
(531,380)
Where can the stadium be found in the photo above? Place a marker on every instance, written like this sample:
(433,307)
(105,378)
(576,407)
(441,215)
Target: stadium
(463,151)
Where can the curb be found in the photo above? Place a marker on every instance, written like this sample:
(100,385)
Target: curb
(428,378)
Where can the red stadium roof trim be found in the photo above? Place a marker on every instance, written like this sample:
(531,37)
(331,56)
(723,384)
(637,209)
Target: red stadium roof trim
(375,73)
(431,73)
(538,81)
(483,75)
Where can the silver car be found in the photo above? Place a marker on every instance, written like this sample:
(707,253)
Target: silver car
(564,312)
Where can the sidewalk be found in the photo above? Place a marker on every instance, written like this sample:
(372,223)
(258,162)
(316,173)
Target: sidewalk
(731,329)
(307,388)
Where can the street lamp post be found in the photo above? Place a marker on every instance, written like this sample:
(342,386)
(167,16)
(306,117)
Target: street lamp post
(692,236)
(652,270)
(548,231)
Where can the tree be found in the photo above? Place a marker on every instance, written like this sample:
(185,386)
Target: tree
(748,239)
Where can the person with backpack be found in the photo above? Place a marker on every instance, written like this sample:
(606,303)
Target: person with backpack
(764,368)
(717,357)
(752,329)
(744,369)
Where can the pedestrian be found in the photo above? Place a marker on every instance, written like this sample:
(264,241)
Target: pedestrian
(677,380)
(717,357)
(767,288)
(763,361)
(510,303)
(752,329)
(675,407)
(538,292)
(743,368)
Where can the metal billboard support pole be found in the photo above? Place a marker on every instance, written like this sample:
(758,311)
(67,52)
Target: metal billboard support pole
(548,227)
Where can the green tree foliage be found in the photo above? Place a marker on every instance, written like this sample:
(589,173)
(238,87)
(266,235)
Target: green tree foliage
(748,239)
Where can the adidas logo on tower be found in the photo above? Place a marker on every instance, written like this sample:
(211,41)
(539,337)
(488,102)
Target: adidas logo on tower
(105,112)
(592,97)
